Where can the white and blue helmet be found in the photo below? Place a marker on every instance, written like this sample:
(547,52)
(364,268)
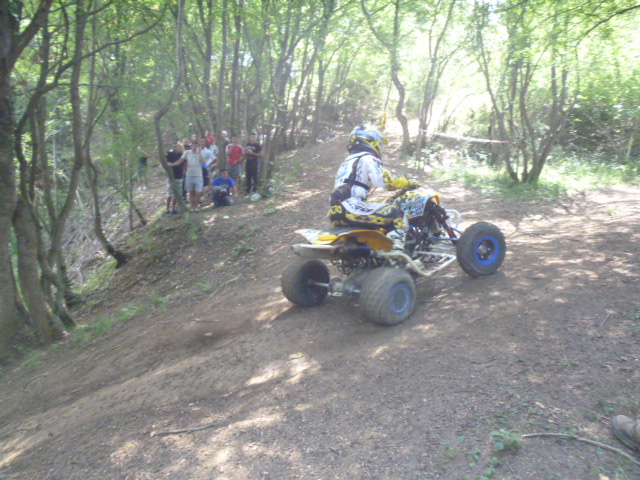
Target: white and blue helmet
(366,138)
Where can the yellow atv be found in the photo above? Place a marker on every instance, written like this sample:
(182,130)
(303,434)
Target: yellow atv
(380,279)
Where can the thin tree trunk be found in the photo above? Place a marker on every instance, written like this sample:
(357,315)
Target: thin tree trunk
(92,178)
(92,171)
(235,69)
(221,81)
(393,49)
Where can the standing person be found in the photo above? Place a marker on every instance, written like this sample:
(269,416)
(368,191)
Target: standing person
(186,146)
(223,143)
(209,163)
(173,156)
(234,158)
(214,152)
(360,171)
(210,138)
(193,179)
(210,152)
(224,188)
(253,154)
(224,140)
(262,138)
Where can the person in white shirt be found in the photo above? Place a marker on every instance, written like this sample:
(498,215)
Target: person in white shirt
(194,182)
(360,171)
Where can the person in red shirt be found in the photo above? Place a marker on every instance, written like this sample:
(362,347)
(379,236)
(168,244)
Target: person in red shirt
(235,154)
(210,138)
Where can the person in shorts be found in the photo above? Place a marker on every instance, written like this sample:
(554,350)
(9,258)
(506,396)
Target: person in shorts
(193,179)
(173,156)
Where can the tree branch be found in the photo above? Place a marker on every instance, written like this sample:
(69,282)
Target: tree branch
(605,20)
(585,440)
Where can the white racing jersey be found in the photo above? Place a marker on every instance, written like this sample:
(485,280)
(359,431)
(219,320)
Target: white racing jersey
(369,171)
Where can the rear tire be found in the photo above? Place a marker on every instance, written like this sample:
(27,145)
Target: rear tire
(481,249)
(388,296)
(299,282)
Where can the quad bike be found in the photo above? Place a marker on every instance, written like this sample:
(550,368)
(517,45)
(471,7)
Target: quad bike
(380,279)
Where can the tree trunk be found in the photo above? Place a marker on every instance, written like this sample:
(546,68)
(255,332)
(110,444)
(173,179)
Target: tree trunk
(221,118)
(92,178)
(35,302)
(9,315)
(235,68)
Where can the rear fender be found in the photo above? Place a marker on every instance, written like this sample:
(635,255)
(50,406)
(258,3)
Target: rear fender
(375,239)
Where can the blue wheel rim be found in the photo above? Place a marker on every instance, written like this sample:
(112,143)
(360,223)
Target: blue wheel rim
(400,299)
(486,250)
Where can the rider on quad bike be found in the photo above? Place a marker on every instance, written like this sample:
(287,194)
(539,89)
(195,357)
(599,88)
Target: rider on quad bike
(360,171)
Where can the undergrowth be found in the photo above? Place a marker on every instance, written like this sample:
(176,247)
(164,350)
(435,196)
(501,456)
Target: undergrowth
(89,331)
(562,177)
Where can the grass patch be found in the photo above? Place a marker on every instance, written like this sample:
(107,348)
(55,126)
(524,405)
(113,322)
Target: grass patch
(100,279)
(204,287)
(563,176)
(242,248)
(505,441)
(88,332)
(246,231)
(34,359)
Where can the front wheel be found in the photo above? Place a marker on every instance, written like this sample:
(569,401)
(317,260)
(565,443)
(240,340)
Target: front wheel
(388,296)
(481,249)
(305,282)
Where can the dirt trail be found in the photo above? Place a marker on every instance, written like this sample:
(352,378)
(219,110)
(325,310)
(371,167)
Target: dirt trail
(272,391)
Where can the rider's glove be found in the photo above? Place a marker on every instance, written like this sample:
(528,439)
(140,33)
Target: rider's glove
(413,184)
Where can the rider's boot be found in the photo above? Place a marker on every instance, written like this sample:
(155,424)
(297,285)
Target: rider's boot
(398,238)
(628,431)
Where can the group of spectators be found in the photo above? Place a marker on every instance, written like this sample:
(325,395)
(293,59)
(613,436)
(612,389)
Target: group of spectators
(196,168)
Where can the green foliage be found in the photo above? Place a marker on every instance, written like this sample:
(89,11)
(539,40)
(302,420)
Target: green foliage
(271,209)
(606,116)
(564,176)
(474,456)
(505,441)
(299,55)
(34,359)
(245,231)
(90,331)
(189,230)
(451,447)
(242,248)
(100,278)
(607,409)
(204,287)
(492,464)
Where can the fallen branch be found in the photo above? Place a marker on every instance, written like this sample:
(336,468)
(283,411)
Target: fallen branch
(605,319)
(585,440)
(467,139)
